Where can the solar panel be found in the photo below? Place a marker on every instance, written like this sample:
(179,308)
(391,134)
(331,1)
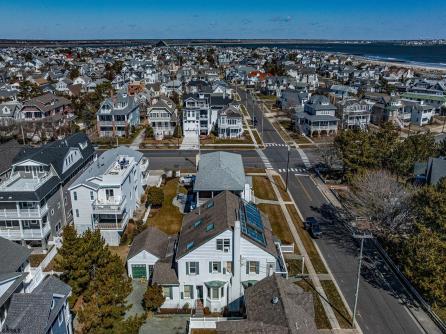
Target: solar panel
(251,223)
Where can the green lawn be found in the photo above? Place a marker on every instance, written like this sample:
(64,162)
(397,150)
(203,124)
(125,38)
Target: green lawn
(168,218)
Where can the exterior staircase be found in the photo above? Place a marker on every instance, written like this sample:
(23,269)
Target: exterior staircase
(199,308)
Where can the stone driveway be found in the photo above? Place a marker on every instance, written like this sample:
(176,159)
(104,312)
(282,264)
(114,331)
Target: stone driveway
(157,324)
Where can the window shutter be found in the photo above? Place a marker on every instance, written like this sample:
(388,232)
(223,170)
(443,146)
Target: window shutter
(219,267)
(170,292)
(182,295)
(187,268)
(247,267)
(210,267)
(257,267)
(197,266)
(192,292)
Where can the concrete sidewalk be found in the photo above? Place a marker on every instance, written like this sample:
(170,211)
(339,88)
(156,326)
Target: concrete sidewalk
(311,271)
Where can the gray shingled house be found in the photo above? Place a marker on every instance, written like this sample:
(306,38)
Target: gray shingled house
(34,204)
(45,310)
(275,306)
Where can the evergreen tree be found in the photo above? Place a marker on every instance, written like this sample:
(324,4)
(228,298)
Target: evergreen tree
(68,261)
(153,297)
(105,298)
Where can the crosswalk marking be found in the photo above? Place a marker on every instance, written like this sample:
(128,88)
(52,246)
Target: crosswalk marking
(300,170)
(275,145)
(264,159)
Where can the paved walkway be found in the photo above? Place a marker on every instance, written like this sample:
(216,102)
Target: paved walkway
(190,141)
(138,140)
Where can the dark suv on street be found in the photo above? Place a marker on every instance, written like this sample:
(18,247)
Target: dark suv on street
(312,226)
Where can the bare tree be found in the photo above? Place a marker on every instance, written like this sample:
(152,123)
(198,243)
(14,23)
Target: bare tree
(378,196)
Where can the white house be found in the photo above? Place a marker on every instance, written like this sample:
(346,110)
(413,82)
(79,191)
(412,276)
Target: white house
(230,123)
(223,247)
(162,117)
(106,195)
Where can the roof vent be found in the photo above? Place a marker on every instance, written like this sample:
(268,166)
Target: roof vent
(275,300)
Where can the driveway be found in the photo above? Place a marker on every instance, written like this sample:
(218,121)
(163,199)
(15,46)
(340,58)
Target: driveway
(156,324)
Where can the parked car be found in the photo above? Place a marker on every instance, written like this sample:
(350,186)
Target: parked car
(187,180)
(312,226)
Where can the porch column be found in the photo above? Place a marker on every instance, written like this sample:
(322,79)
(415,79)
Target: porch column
(41,227)
(22,237)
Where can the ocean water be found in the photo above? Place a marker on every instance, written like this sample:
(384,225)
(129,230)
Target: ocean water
(423,55)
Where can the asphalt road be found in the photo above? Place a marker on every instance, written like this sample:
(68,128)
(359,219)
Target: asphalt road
(175,159)
(382,299)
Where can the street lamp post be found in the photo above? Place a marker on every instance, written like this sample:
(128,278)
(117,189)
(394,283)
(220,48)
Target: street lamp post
(287,169)
(362,237)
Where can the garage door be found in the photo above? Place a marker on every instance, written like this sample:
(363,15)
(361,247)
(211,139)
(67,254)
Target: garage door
(139,271)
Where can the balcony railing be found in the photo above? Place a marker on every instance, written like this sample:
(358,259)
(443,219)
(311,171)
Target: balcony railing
(24,213)
(113,206)
(109,224)
(27,234)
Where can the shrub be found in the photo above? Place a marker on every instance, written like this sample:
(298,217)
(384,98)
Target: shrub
(155,196)
(186,307)
(206,311)
(153,297)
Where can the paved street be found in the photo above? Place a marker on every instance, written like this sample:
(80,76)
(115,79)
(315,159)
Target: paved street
(380,306)
(174,159)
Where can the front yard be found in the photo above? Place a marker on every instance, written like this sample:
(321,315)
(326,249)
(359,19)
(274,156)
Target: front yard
(262,188)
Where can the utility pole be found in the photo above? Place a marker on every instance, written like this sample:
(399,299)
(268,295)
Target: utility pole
(287,167)
(362,237)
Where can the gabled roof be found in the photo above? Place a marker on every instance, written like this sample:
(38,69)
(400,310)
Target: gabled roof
(213,218)
(151,240)
(8,152)
(46,102)
(220,171)
(54,153)
(12,256)
(274,305)
(33,313)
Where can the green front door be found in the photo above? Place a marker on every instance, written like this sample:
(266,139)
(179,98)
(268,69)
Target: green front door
(139,271)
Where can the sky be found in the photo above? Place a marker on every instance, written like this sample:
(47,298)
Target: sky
(176,19)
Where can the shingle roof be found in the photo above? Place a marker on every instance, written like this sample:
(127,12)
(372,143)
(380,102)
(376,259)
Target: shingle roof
(436,170)
(54,153)
(12,256)
(164,272)
(47,102)
(32,313)
(275,305)
(29,312)
(151,240)
(220,171)
(8,151)
(222,215)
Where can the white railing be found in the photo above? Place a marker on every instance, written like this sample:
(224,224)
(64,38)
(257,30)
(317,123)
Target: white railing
(16,234)
(287,248)
(34,183)
(24,213)
(208,322)
(10,180)
(113,206)
(282,262)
